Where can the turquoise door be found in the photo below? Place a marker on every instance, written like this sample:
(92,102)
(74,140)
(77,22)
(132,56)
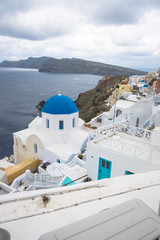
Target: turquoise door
(104,168)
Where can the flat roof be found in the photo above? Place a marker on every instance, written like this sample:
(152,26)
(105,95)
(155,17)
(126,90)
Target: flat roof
(129,140)
(124,104)
(28,215)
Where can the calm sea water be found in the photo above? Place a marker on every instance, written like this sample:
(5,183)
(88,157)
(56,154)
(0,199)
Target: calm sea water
(22,89)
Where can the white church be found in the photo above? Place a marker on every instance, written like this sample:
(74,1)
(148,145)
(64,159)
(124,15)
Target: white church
(57,136)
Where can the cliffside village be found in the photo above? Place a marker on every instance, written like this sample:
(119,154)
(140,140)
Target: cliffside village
(60,153)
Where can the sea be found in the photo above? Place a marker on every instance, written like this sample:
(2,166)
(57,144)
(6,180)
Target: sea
(22,89)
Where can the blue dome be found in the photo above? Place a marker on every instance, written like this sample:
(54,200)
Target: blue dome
(145,85)
(59,104)
(143,81)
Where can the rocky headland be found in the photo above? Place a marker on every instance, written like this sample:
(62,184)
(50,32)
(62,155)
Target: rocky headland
(92,102)
(71,65)
(30,62)
(80,66)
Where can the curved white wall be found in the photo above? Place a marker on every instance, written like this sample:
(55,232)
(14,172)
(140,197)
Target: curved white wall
(54,121)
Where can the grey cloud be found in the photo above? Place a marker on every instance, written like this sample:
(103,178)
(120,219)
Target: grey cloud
(122,12)
(36,34)
(16,21)
(97,12)
(10,7)
(115,12)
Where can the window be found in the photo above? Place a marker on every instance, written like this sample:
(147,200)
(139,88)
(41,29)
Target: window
(73,122)
(137,122)
(103,163)
(61,125)
(35,148)
(108,165)
(118,112)
(47,123)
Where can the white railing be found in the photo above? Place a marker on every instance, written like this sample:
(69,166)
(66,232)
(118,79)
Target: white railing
(100,132)
(134,131)
(129,149)
(120,127)
(149,122)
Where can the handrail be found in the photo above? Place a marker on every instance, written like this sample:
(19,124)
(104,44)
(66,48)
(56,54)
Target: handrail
(130,149)
(120,127)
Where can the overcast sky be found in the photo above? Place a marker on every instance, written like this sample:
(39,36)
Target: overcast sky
(119,32)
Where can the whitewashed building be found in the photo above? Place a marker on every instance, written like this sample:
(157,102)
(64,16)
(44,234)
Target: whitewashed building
(141,111)
(57,136)
(120,149)
(146,112)
(120,111)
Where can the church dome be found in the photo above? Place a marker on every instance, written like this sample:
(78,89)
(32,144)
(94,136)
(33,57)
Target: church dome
(59,104)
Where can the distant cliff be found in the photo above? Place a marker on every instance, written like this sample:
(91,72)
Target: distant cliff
(74,65)
(91,103)
(27,63)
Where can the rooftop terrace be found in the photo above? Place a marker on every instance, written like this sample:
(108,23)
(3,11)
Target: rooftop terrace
(128,140)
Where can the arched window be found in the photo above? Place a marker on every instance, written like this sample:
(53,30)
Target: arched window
(73,122)
(35,148)
(61,125)
(47,123)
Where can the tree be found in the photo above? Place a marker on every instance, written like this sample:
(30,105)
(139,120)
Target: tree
(40,106)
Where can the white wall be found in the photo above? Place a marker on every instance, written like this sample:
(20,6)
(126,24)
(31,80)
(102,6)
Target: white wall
(20,150)
(48,156)
(155,139)
(141,110)
(105,115)
(120,162)
(157,118)
(54,121)
(124,106)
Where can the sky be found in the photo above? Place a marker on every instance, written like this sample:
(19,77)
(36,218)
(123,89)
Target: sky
(118,32)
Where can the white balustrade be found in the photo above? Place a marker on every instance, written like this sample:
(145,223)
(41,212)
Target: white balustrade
(129,149)
(120,127)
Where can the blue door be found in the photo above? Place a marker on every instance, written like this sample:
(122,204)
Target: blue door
(104,168)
